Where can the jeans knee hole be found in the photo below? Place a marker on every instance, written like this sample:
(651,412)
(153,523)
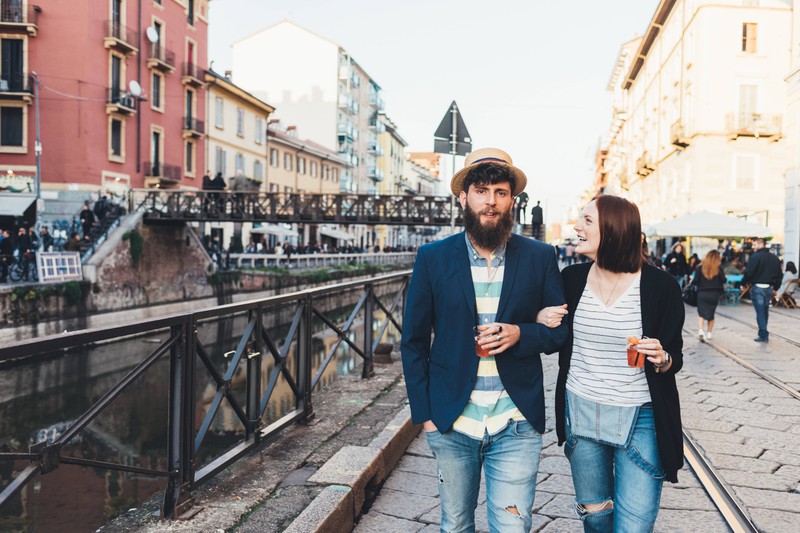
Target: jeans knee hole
(594,509)
(512,509)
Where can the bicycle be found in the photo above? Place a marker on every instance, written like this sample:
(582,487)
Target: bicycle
(24,268)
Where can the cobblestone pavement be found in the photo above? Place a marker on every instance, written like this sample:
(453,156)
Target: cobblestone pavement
(748,428)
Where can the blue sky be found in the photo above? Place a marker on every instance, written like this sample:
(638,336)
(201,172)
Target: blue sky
(529,76)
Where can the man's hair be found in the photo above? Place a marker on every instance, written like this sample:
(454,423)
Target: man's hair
(488,174)
(760,241)
(620,248)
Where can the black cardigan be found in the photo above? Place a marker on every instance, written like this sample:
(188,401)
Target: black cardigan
(662,319)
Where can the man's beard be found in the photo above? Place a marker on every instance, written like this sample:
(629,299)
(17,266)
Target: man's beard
(488,237)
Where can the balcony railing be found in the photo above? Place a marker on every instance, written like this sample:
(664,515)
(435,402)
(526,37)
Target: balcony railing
(754,125)
(375,174)
(160,57)
(678,135)
(644,166)
(376,101)
(163,171)
(119,101)
(18,15)
(193,126)
(192,74)
(120,37)
(15,83)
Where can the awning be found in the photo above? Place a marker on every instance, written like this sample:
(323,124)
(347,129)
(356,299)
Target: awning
(14,205)
(274,229)
(705,224)
(336,234)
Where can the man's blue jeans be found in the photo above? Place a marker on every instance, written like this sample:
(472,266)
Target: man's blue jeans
(510,460)
(630,477)
(761,298)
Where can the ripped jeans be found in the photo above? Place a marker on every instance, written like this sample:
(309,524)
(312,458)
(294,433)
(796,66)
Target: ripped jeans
(630,477)
(510,460)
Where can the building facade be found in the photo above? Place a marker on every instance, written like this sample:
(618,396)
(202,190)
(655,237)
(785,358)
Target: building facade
(699,112)
(792,177)
(316,84)
(120,94)
(237,132)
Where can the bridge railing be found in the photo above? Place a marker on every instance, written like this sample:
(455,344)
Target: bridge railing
(292,362)
(255,260)
(180,205)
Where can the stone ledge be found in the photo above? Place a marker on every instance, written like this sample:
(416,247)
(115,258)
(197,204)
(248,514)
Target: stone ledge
(330,512)
(357,467)
(395,438)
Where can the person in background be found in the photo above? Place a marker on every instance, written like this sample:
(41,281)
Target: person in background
(617,406)
(709,278)
(6,254)
(763,272)
(693,263)
(45,240)
(87,220)
(675,263)
(788,275)
(74,244)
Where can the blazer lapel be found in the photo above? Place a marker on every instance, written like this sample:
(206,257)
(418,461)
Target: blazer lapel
(461,262)
(509,275)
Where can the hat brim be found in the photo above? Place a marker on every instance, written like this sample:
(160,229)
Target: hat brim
(520,179)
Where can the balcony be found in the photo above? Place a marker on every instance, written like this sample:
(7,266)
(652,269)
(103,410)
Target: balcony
(375,174)
(678,135)
(644,166)
(162,172)
(376,101)
(348,104)
(192,75)
(19,17)
(120,102)
(376,125)
(346,134)
(159,58)
(375,149)
(193,127)
(120,38)
(754,125)
(16,87)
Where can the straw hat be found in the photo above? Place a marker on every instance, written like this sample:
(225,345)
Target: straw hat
(488,155)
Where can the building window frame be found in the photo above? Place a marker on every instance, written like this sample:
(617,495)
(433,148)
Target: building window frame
(749,37)
(258,170)
(287,161)
(240,121)
(220,160)
(260,130)
(274,157)
(301,165)
(122,71)
(11,148)
(162,145)
(219,113)
(120,157)
(157,91)
(312,169)
(239,164)
(189,163)
(756,162)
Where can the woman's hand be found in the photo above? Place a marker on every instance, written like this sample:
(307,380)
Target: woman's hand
(654,351)
(552,316)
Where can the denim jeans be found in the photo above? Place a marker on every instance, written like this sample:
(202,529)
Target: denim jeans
(630,477)
(510,460)
(761,298)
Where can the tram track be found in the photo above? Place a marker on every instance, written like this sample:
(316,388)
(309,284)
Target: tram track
(732,510)
(772,334)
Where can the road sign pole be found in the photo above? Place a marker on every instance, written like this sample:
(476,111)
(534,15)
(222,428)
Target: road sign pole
(453,151)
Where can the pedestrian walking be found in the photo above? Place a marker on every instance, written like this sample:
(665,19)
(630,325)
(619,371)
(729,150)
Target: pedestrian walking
(45,240)
(480,398)
(616,401)
(6,254)
(87,220)
(676,264)
(763,273)
(709,278)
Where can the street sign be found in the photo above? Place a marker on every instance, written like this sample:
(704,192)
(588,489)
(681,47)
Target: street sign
(452,133)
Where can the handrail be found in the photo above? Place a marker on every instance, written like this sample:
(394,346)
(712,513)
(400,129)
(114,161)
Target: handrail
(184,349)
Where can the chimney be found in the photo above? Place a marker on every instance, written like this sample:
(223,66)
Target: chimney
(228,74)
(291,130)
(274,124)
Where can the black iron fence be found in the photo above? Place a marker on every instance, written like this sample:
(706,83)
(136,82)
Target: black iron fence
(291,357)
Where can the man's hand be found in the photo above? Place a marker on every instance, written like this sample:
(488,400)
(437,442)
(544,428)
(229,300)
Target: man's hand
(552,316)
(498,337)
(428,426)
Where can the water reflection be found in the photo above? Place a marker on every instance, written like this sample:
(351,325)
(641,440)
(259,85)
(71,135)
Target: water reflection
(40,400)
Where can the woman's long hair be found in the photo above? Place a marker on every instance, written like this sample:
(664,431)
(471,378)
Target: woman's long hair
(710,265)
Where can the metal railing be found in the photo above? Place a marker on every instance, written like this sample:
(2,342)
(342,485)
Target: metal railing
(254,260)
(121,33)
(18,14)
(187,354)
(194,125)
(162,170)
(191,70)
(16,83)
(161,54)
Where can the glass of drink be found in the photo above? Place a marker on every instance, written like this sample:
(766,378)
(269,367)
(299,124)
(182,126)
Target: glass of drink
(479,350)
(635,359)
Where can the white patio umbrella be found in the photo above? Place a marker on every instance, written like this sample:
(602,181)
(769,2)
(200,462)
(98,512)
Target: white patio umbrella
(706,224)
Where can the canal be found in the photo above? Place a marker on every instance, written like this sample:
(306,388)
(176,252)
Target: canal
(39,399)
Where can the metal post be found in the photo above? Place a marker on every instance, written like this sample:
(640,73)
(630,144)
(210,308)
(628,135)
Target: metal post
(453,151)
(368,370)
(304,360)
(254,375)
(38,146)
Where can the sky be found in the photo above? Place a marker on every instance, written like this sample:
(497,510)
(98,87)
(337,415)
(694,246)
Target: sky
(529,76)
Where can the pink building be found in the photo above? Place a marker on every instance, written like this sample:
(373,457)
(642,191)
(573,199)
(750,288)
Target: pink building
(120,93)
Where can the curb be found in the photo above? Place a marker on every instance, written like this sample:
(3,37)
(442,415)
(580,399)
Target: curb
(352,475)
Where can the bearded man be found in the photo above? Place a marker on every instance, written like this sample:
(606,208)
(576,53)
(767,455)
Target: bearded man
(479,396)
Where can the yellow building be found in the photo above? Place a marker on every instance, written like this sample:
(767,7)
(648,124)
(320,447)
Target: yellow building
(300,165)
(236,144)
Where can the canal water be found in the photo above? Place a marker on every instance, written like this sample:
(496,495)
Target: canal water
(39,401)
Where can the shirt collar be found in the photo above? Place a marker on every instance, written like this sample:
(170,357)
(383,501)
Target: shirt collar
(498,253)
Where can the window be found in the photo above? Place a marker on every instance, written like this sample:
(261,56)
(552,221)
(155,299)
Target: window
(189,108)
(189,157)
(190,12)
(12,63)
(313,169)
(11,126)
(746,172)
(335,174)
(273,157)
(258,170)
(240,122)
(156,150)
(749,37)
(259,130)
(155,91)
(273,187)
(116,77)
(239,163)
(301,164)
(287,161)
(116,137)
(287,190)
(220,156)
(219,117)
(748,105)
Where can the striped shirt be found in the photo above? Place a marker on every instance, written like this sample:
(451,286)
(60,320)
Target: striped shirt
(489,408)
(599,368)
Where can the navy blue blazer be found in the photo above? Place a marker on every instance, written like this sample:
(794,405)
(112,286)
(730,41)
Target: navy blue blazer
(441,299)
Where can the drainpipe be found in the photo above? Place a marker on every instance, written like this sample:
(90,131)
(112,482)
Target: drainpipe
(139,80)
